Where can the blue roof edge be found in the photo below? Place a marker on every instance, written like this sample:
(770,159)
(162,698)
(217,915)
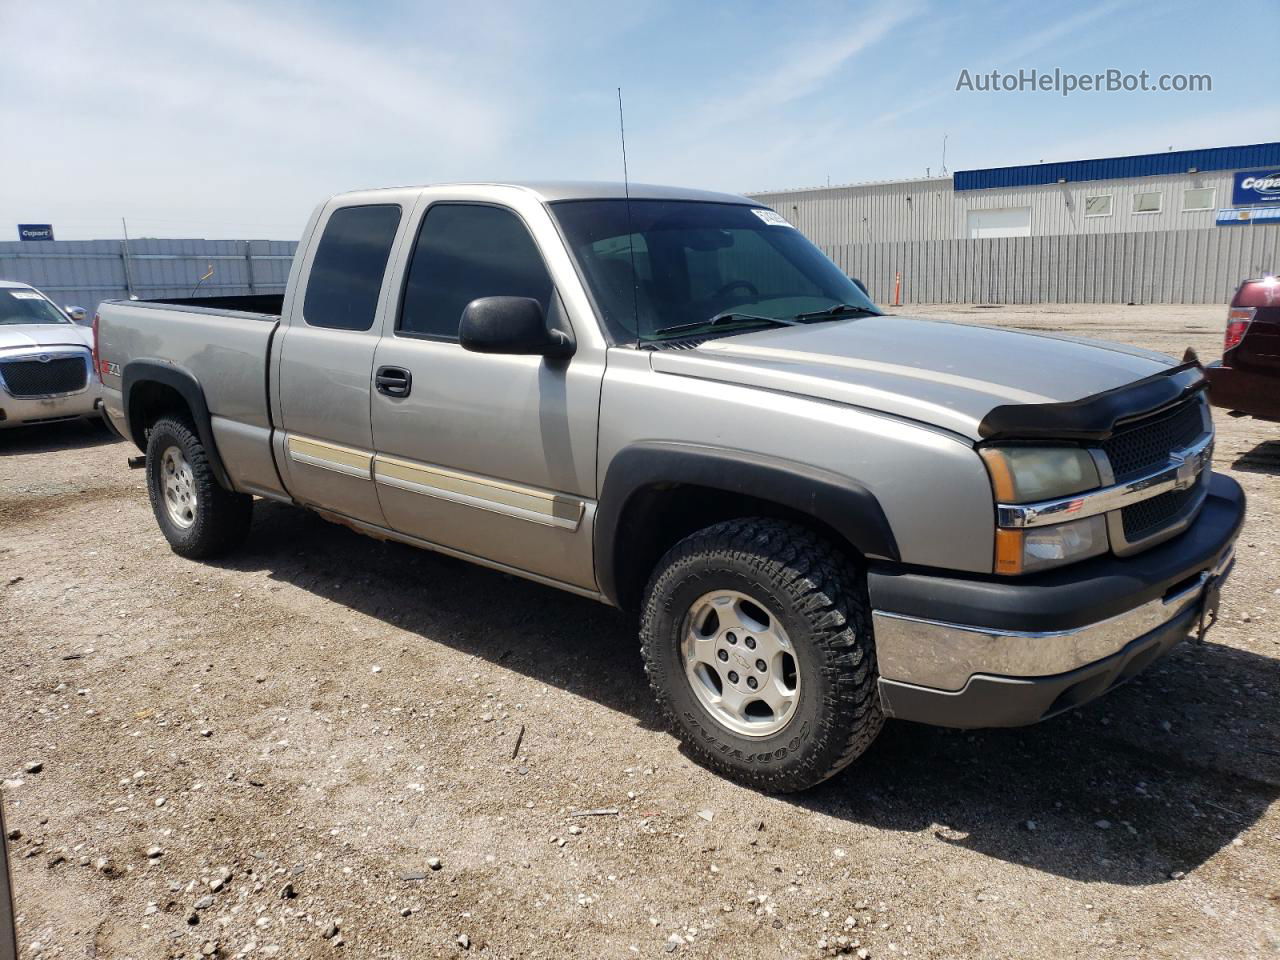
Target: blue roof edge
(1115,168)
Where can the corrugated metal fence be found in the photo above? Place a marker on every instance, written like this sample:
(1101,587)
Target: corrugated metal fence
(85,272)
(1177,266)
(1173,266)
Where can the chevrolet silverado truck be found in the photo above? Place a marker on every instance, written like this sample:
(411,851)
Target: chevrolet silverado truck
(671,401)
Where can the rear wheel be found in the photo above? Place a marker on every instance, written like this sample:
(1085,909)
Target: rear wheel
(757,642)
(197,515)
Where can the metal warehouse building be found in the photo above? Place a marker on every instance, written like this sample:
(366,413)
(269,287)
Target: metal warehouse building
(1176,227)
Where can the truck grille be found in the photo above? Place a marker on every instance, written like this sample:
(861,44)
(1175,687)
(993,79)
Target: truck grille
(33,378)
(1144,446)
(1149,517)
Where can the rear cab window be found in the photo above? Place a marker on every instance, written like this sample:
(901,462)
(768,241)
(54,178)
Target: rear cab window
(349,265)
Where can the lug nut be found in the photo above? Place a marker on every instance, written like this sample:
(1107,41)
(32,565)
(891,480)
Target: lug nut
(723,655)
(750,642)
(731,637)
(761,666)
(733,677)
(752,682)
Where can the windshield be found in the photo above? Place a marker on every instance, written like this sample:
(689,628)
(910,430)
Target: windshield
(695,262)
(27,306)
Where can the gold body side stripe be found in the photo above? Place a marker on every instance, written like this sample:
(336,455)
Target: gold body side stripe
(484,493)
(331,456)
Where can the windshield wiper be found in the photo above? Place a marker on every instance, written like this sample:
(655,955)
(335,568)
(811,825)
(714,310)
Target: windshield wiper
(725,317)
(839,310)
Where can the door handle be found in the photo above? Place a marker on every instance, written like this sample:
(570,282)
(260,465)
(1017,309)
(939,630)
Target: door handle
(393,381)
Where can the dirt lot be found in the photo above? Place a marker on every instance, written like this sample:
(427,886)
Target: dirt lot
(322,715)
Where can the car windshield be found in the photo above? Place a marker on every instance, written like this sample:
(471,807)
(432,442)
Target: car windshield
(26,306)
(699,267)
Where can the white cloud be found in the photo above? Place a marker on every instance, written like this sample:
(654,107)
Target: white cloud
(213,112)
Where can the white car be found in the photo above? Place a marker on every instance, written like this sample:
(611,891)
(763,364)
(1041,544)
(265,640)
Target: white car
(46,360)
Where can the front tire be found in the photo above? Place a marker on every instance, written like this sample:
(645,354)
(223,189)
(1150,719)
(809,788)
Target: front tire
(198,517)
(757,641)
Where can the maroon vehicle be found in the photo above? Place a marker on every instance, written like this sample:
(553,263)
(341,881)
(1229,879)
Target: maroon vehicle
(1246,380)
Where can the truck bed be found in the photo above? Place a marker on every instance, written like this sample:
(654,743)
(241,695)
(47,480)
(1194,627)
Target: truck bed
(224,343)
(261,304)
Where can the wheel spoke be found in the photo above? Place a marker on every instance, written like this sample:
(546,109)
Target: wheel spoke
(702,649)
(733,702)
(777,696)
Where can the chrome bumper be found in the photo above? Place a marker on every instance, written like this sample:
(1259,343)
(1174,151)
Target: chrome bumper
(945,656)
(34,410)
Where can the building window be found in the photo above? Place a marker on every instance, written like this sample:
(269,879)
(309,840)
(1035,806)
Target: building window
(1147,202)
(1099,206)
(1200,198)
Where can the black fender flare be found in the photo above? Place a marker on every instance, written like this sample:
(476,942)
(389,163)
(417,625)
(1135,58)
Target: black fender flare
(138,372)
(839,502)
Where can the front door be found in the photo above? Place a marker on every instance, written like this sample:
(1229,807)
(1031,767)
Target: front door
(326,361)
(489,455)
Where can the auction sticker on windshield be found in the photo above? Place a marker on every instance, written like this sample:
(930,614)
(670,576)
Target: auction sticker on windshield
(771,218)
(25,295)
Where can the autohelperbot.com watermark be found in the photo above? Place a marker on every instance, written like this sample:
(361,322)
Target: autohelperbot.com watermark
(1065,83)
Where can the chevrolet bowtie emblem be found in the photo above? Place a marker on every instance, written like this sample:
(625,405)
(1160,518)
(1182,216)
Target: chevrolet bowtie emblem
(1189,468)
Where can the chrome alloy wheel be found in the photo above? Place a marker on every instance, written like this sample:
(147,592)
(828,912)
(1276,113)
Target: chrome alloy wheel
(178,484)
(740,663)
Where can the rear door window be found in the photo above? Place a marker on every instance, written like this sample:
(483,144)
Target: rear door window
(347,270)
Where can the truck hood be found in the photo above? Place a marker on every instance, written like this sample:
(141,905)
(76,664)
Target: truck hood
(947,374)
(24,337)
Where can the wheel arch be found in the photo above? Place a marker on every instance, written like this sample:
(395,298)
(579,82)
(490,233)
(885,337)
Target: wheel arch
(152,388)
(656,493)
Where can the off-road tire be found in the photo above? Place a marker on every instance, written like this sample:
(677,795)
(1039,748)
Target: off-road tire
(222,517)
(821,601)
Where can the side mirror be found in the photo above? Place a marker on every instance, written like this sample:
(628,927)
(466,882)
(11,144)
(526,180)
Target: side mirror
(78,315)
(860,285)
(514,325)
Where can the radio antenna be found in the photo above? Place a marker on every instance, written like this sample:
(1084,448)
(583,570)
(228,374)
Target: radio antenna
(631,246)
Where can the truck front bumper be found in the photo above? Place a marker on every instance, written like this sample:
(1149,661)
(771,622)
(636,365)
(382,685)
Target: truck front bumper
(988,652)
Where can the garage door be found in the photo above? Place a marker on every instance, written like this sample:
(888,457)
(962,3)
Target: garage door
(1002,222)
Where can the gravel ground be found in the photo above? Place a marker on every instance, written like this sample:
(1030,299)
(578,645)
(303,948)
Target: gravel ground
(330,746)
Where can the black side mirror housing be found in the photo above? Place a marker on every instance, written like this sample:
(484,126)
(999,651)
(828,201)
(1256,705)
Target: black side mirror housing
(512,325)
(860,285)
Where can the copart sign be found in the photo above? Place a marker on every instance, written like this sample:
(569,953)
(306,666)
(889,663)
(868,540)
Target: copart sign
(1256,187)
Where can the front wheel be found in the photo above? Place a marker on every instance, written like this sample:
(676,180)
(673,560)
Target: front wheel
(756,638)
(197,515)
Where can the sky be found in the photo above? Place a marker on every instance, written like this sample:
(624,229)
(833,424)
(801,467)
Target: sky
(233,119)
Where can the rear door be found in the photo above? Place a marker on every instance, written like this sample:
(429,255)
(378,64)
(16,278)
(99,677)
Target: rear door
(493,456)
(325,365)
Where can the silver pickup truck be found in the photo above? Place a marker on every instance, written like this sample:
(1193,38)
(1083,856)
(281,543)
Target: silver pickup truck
(674,403)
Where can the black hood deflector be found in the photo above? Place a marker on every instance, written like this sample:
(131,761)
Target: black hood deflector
(1093,418)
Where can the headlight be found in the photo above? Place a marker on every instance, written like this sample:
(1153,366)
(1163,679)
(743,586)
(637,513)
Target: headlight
(1028,474)
(1031,474)
(1038,548)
